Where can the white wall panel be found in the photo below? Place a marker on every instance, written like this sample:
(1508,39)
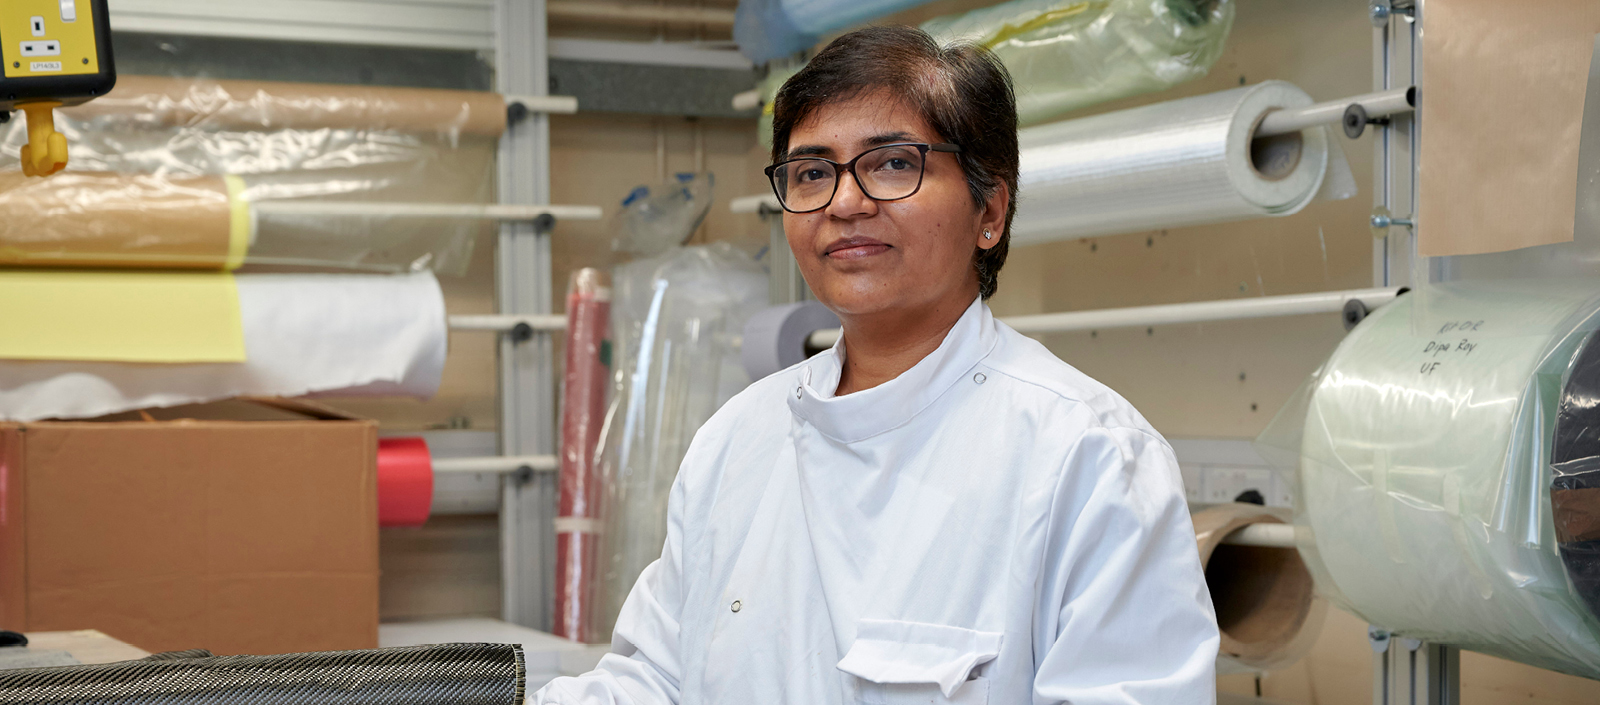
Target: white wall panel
(443,24)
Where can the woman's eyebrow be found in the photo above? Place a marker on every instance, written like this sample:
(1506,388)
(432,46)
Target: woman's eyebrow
(888,138)
(809,150)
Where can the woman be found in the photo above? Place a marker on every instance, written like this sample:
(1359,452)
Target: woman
(937,509)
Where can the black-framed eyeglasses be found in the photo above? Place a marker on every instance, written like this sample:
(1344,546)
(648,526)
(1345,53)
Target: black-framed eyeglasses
(887,173)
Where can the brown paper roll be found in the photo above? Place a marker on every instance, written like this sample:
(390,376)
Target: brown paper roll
(268,105)
(1266,602)
(87,219)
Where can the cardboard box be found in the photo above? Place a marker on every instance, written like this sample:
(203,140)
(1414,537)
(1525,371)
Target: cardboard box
(247,526)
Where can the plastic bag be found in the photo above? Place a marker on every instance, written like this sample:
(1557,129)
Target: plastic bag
(1423,448)
(655,220)
(1064,55)
(676,325)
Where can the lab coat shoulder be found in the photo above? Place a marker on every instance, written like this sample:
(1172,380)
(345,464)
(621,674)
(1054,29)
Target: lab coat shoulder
(1028,362)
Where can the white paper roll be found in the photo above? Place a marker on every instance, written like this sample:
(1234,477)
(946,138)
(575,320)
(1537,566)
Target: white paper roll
(359,334)
(1185,162)
(775,339)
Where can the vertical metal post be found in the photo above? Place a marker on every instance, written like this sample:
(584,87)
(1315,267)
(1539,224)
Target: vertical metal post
(785,286)
(523,285)
(1413,672)
(1397,62)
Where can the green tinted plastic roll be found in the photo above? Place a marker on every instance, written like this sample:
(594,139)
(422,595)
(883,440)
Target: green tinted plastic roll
(1069,54)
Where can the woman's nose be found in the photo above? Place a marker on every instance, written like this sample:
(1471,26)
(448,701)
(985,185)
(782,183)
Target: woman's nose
(850,201)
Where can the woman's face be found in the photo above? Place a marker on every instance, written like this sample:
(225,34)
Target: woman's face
(863,257)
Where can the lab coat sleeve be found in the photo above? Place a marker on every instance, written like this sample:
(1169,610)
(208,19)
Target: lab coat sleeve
(643,667)
(1124,614)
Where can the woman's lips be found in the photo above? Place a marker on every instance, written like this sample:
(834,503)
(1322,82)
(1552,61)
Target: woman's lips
(856,248)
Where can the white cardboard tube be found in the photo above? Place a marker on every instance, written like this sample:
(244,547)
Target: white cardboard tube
(508,463)
(1175,314)
(424,210)
(1379,104)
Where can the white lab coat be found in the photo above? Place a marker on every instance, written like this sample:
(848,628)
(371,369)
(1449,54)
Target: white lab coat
(992,526)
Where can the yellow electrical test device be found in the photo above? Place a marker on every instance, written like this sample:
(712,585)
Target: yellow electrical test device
(57,53)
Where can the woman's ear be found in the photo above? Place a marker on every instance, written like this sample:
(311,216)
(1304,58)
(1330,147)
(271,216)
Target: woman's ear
(992,221)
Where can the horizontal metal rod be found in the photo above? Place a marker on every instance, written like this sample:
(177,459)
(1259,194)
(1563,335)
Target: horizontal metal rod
(381,209)
(1263,535)
(497,322)
(1177,314)
(754,204)
(631,13)
(1385,103)
(507,463)
(563,104)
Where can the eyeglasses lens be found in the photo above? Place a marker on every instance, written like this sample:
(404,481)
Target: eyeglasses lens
(885,174)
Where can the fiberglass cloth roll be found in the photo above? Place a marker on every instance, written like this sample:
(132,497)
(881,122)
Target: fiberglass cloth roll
(438,674)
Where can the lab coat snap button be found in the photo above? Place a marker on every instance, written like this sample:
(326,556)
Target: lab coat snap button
(979,378)
(736,606)
(798,391)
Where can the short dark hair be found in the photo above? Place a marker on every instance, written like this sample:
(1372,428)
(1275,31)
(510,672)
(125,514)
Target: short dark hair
(961,89)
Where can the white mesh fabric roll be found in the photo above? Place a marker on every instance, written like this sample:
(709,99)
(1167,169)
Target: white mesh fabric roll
(1179,163)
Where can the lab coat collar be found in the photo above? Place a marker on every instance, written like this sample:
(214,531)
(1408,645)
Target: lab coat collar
(867,413)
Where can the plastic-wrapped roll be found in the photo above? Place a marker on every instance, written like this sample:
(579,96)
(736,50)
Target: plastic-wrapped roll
(1425,470)
(1185,162)
(122,220)
(118,220)
(453,674)
(158,101)
(1267,608)
(1069,54)
(583,412)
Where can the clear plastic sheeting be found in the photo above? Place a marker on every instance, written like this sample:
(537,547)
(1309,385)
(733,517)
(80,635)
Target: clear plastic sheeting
(290,143)
(1424,451)
(1185,162)
(770,29)
(1070,54)
(677,322)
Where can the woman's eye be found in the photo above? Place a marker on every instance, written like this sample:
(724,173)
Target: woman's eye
(895,164)
(813,175)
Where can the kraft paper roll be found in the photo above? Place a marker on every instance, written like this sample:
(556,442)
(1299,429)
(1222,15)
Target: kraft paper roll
(270,105)
(79,219)
(1267,608)
(405,482)
(1185,162)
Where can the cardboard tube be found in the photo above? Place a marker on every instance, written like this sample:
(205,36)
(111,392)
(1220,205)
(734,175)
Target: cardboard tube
(1266,604)
(270,105)
(87,219)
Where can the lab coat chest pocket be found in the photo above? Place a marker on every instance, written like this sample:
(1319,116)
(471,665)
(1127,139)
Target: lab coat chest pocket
(916,662)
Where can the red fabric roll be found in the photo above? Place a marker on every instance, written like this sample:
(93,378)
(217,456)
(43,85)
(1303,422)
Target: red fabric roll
(405,482)
(583,410)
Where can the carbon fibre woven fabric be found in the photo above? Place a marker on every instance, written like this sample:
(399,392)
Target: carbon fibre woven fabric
(440,674)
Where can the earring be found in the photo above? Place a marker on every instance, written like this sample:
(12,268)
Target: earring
(987,235)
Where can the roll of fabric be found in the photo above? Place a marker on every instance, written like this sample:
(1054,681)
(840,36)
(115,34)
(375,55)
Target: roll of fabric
(437,674)
(100,219)
(1443,493)
(271,105)
(405,482)
(1266,602)
(1186,162)
(583,413)
(775,339)
(345,334)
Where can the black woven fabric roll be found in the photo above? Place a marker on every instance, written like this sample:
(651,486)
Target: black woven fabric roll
(441,674)
(1575,474)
